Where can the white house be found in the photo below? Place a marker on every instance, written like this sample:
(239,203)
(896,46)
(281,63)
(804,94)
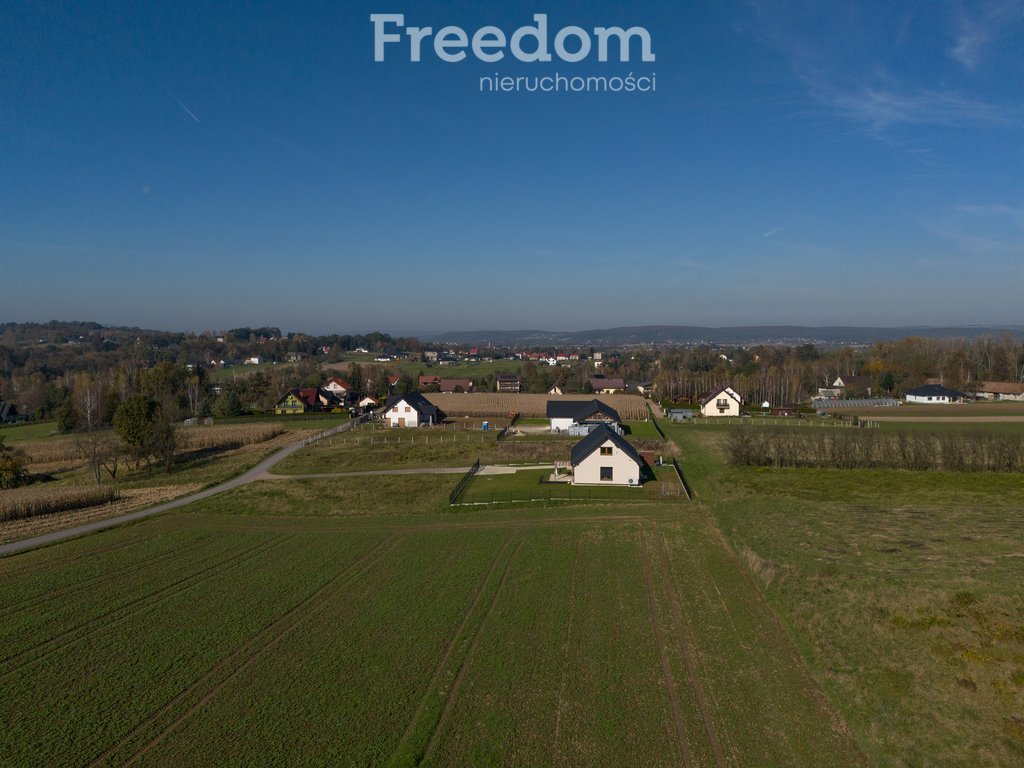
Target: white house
(934,393)
(338,386)
(605,458)
(721,402)
(411,410)
(369,402)
(568,413)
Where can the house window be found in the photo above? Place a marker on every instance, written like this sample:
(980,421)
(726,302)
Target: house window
(407,409)
(606,473)
(606,450)
(722,404)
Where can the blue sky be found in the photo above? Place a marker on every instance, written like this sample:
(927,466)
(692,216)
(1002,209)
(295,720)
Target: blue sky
(201,166)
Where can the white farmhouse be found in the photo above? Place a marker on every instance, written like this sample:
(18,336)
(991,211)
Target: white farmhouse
(605,458)
(721,402)
(411,410)
(934,393)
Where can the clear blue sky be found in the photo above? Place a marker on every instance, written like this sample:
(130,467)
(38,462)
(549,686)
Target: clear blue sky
(210,165)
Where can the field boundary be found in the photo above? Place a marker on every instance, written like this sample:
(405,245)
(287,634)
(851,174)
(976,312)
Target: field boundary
(682,479)
(461,485)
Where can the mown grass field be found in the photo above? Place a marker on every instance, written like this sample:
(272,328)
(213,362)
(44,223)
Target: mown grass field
(364,622)
(902,589)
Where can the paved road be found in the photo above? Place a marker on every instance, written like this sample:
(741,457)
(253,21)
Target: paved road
(255,473)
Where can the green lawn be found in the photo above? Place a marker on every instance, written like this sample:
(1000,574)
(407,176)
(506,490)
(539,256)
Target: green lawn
(32,431)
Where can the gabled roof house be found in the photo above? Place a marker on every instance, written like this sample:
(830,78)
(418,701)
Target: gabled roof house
(604,457)
(411,410)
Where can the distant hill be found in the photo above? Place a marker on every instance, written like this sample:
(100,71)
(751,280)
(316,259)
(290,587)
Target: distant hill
(693,334)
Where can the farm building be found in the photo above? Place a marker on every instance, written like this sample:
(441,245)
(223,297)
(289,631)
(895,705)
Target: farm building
(1001,390)
(508,384)
(934,393)
(570,413)
(411,410)
(605,458)
(429,381)
(721,402)
(555,390)
(456,385)
(307,400)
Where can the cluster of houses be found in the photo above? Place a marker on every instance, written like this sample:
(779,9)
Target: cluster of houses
(602,457)
(932,391)
(335,396)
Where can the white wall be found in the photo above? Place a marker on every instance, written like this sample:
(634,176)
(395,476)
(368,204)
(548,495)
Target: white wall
(927,399)
(732,406)
(624,469)
(401,410)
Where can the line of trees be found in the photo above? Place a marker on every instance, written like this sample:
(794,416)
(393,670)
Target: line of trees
(966,451)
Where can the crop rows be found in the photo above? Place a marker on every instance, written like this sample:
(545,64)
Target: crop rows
(94,691)
(461,640)
(479,404)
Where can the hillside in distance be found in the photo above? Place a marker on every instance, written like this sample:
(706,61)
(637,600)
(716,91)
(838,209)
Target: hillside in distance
(694,334)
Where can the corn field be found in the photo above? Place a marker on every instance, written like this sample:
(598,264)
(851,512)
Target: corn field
(21,503)
(66,450)
(479,404)
(228,436)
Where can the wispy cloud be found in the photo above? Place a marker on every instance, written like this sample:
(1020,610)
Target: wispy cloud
(990,228)
(187,110)
(851,65)
(1014,215)
(880,108)
(979,30)
(772,232)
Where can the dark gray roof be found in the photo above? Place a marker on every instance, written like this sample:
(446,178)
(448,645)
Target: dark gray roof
(598,437)
(417,402)
(580,410)
(935,390)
